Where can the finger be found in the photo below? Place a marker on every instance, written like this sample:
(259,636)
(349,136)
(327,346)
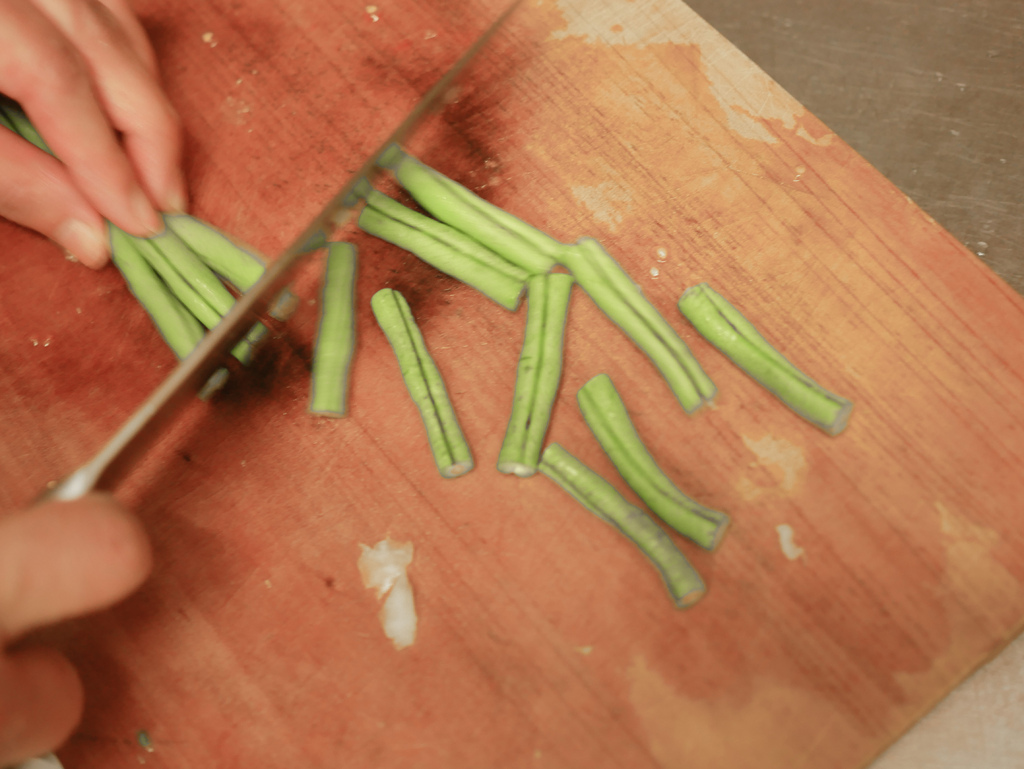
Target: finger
(130,23)
(63,559)
(37,192)
(40,703)
(42,70)
(130,93)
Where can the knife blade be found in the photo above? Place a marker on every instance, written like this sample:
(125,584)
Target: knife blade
(144,424)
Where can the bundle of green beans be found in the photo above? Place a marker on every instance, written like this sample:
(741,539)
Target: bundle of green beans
(171,278)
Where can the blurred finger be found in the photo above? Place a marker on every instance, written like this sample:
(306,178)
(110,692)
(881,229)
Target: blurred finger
(40,703)
(130,93)
(63,559)
(38,193)
(133,28)
(42,70)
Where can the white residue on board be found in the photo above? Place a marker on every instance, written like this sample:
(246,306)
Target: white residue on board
(655,272)
(662,254)
(790,549)
(382,568)
(209,39)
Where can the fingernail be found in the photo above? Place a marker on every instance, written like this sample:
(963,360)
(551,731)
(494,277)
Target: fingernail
(87,243)
(176,200)
(145,214)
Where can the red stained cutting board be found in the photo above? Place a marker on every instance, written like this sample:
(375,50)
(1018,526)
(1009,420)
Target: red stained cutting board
(544,639)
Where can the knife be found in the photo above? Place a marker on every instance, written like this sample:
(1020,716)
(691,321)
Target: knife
(132,438)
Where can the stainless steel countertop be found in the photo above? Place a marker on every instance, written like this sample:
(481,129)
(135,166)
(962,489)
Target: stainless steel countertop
(931,92)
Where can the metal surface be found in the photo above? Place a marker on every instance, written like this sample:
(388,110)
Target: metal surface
(931,93)
(183,382)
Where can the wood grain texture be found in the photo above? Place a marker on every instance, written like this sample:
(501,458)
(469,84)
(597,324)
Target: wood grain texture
(544,641)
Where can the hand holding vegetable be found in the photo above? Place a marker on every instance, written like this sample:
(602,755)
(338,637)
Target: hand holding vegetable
(86,76)
(57,561)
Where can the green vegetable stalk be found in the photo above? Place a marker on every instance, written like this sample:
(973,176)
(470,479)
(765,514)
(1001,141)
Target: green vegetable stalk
(14,118)
(726,328)
(601,498)
(457,206)
(445,248)
(423,379)
(538,374)
(606,415)
(618,297)
(336,334)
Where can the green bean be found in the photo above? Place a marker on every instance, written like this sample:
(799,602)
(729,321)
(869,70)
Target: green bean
(615,294)
(467,212)
(423,379)
(538,374)
(601,498)
(444,248)
(607,418)
(336,334)
(21,125)
(726,328)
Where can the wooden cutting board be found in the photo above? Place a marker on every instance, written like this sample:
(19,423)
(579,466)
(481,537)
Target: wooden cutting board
(544,639)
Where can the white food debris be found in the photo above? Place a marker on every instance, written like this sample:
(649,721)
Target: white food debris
(789,548)
(371,9)
(662,254)
(430,35)
(655,272)
(382,568)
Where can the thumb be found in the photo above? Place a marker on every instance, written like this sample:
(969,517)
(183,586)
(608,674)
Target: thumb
(63,559)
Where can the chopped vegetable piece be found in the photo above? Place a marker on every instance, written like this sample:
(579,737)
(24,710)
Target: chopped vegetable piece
(237,263)
(458,207)
(445,248)
(383,568)
(618,297)
(603,500)
(539,372)
(726,328)
(336,334)
(606,416)
(422,377)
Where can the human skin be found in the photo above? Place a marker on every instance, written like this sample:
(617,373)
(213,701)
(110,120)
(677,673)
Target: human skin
(58,560)
(86,76)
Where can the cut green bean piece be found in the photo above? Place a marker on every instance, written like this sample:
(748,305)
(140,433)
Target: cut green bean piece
(336,334)
(178,326)
(423,379)
(601,498)
(444,248)
(618,297)
(538,374)
(726,328)
(5,123)
(22,126)
(459,207)
(607,418)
